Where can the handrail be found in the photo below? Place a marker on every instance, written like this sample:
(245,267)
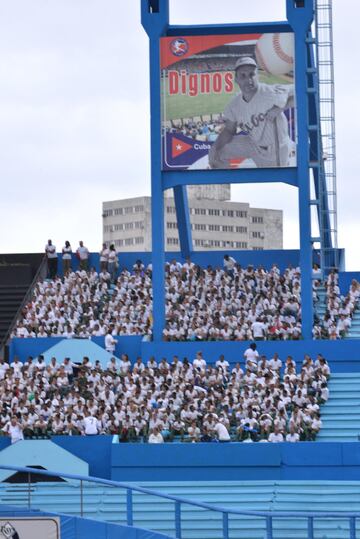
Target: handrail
(25,299)
(171,497)
(225,511)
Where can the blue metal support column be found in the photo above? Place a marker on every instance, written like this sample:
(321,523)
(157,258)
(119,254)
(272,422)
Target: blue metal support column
(155,20)
(301,19)
(183,220)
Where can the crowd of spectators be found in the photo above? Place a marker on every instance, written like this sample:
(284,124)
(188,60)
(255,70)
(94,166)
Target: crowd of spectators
(202,304)
(189,400)
(212,303)
(339,309)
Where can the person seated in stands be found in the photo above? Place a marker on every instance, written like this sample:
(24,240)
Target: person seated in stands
(292,435)
(248,423)
(276,436)
(193,432)
(343,325)
(155,436)
(221,432)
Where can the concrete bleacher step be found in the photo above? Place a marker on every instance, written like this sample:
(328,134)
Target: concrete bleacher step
(341,414)
(102,503)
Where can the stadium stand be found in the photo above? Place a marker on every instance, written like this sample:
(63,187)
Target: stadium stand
(202,304)
(183,400)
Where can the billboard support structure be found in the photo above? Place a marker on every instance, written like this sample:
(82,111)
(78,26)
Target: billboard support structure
(155,20)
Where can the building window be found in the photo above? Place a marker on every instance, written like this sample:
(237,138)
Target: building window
(139,208)
(107,213)
(139,224)
(257,219)
(129,241)
(139,240)
(171,224)
(241,229)
(129,226)
(200,227)
(128,209)
(214,212)
(199,243)
(214,228)
(227,228)
(172,241)
(119,211)
(171,209)
(258,248)
(256,234)
(230,213)
(241,213)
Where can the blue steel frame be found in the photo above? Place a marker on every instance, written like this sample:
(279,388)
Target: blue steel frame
(178,501)
(155,20)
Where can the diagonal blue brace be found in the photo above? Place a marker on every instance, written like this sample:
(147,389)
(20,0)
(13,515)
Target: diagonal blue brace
(183,220)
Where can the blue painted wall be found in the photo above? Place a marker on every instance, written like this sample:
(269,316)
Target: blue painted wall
(213,461)
(236,461)
(345,278)
(23,348)
(95,450)
(343,356)
(283,257)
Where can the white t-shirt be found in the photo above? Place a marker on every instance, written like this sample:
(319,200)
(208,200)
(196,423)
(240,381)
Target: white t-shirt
(156,438)
(251,355)
(273,437)
(292,437)
(91,425)
(110,343)
(222,432)
(258,329)
(50,251)
(14,432)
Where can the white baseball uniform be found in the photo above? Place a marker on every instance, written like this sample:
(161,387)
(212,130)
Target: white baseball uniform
(266,142)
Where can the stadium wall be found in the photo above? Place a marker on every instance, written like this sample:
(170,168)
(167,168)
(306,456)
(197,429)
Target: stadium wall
(213,461)
(343,355)
(23,348)
(283,257)
(235,461)
(345,278)
(81,528)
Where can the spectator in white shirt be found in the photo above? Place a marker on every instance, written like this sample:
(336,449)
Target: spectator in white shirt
(276,436)
(156,437)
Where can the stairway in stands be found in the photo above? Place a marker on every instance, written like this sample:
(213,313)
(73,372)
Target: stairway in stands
(109,504)
(341,414)
(354,331)
(11,298)
(320,304)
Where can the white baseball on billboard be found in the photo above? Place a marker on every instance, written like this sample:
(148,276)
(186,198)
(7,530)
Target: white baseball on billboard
(275,53)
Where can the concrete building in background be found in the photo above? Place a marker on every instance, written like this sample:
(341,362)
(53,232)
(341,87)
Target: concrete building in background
(217,223)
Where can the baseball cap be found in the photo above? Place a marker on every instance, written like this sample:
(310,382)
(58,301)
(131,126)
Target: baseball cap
(245,61)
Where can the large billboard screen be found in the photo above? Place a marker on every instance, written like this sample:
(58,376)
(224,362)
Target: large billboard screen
(228,101)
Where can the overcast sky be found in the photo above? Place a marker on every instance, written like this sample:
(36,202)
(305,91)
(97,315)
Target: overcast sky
(74,117)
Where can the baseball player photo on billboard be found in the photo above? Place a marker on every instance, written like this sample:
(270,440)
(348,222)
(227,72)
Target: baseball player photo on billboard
(228,101)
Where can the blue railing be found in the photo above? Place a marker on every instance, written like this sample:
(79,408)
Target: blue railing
(267,516)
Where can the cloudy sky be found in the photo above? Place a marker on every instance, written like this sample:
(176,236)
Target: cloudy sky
(74,116)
